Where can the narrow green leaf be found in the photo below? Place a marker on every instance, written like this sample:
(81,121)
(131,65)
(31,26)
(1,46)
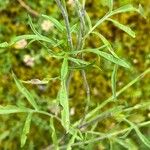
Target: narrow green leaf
(88,20)
(74,28)
(140,135)
(25,92)
(63,96)
(64,69)
(53,135)
(10,109)
(56,23)
(78,61)
(81,67)
(123,27)
(26,129)
(32,37)
(110,4)
(141,11)
(106,43)
(123,9)
(32,26)
(71,141)
(113,80)
(122,143)
(109,57)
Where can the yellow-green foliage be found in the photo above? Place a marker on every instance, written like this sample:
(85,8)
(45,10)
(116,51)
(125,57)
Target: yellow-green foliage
(13,18)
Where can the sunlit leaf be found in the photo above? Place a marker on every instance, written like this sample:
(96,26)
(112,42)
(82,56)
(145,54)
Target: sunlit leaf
(26,129)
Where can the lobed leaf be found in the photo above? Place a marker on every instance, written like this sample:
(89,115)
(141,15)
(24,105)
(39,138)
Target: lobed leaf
(26,129)
(25,92)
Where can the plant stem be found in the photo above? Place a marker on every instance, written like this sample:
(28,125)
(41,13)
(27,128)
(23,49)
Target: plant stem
(108,135)
(65,16)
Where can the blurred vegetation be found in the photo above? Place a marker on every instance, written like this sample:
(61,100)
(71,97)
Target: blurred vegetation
(13,21)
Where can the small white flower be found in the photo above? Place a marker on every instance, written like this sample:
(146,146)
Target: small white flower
(72,111)
(21,44)
(47,25)
(28,60)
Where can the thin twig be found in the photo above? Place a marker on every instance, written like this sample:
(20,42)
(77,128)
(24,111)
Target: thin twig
(28,8)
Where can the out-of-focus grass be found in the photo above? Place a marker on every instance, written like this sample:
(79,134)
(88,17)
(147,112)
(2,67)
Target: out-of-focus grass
(136,51)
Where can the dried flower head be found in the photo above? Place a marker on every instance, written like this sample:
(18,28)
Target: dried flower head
(47,25)
(21,44)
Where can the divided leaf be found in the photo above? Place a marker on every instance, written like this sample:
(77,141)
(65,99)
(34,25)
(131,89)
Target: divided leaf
(25,92)
(26,129)
(123,27)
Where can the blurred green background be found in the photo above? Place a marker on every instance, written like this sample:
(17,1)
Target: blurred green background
(34,63)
